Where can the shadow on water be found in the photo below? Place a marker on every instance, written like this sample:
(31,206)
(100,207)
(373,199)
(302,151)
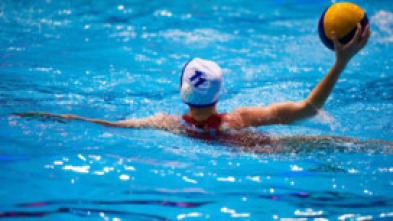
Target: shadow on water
(94,212)
(82,212)
(329,201)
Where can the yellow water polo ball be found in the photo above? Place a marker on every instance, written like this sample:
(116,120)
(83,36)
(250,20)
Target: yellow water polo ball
(342,18)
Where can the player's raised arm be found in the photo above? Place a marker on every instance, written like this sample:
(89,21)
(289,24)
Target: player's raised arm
(159,121)
(344,53)
(287,112)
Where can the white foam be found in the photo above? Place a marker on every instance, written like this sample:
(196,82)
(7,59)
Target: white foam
(193,214)
(200,36)
(78,169)
(226,179)
(189,180)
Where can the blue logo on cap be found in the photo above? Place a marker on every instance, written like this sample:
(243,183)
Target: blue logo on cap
(198,79)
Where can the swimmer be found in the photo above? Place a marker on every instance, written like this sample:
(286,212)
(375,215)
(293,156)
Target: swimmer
(200,84)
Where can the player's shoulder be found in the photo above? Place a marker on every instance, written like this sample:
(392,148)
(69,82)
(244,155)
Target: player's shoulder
(235,118)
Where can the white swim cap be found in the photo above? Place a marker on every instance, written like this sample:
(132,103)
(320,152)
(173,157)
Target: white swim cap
(200,83)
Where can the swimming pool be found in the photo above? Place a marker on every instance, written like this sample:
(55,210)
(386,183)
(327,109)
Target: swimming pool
(122,59)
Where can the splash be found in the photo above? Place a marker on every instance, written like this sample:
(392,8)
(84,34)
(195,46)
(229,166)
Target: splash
(384,22)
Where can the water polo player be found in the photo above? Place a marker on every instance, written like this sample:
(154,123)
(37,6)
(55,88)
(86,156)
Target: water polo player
(200,86)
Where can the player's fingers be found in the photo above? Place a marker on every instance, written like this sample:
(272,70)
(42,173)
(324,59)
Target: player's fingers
(368,33)
(337,44)
(357,35)
(365,38)
(30,114)
(366,29)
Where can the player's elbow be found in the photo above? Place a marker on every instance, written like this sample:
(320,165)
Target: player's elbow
(306,109)
(297,111)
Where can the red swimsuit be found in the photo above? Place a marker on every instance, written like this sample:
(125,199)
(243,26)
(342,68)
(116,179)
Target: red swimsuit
(212,123)
(210,130)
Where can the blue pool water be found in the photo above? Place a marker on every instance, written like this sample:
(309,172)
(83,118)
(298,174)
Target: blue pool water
(122,59)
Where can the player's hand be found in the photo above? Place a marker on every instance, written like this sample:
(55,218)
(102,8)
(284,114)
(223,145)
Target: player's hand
(344,53)
(44,114)
(32,114)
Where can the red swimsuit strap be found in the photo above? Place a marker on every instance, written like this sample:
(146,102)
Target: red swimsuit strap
(214,122)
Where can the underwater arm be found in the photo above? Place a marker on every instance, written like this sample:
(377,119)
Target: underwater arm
(159,121)
(74,117)
(302,143)
(287,112)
